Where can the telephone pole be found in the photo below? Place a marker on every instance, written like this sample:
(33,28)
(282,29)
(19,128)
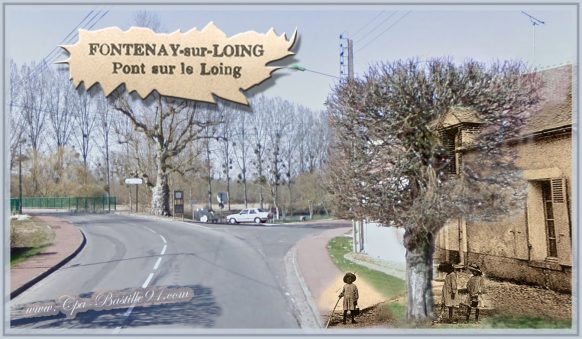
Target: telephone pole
(346,57)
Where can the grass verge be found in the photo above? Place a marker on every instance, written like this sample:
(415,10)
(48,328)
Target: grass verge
(385,284)
(28,238)
(388,286)
(517,321)
(18,255)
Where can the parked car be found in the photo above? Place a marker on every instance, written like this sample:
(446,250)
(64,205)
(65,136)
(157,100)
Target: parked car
(203,215)
(255,215)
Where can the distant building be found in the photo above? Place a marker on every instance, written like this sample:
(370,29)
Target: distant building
(535,245)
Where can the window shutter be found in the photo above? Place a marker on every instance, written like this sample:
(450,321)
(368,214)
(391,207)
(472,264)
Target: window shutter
(558,191)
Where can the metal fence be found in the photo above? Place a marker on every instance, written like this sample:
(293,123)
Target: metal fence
(89,204)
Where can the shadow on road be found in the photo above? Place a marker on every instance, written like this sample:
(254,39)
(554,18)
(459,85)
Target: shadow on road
(200,312)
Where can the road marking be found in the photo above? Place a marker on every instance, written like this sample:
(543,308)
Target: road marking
(157,263)
(149,229)
(196,225)
(145,284)
(128,312)
(163,239)
(164,250)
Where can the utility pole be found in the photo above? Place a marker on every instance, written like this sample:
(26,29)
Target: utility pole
(534,22)
(20,175)
(346,57)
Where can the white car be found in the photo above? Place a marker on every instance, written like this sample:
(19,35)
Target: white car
(255,215)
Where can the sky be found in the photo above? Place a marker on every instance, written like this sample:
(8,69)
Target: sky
(380,33)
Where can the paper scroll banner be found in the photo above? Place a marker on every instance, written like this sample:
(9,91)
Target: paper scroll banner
(194,65)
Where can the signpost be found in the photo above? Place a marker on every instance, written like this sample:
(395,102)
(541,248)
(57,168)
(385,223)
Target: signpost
(136,182)
(179,203)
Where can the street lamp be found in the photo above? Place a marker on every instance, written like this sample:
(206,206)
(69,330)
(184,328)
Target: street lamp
(20,142)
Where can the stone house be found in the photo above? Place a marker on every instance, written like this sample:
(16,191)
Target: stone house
(533,246)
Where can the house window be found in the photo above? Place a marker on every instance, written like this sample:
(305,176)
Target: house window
(450,139)
(549,218)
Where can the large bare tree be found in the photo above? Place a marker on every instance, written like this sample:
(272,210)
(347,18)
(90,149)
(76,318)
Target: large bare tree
(389,162)
(172,125)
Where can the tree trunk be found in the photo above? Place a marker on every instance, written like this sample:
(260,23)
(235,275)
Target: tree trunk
(161,191)
(245,190)
(419,251)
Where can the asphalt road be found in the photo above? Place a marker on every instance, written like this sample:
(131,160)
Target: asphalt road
(237,273)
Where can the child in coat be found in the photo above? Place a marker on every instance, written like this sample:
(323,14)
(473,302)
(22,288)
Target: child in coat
(475,289)
(350,294)
(450,297)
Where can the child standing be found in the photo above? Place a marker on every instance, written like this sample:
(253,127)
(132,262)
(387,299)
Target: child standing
(350,294)
(449,298)
(475,288)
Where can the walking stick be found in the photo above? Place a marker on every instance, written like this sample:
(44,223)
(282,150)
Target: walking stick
(331,314)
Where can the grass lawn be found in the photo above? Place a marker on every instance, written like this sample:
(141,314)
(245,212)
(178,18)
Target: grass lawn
(512,321)
(18,255)
(28,238)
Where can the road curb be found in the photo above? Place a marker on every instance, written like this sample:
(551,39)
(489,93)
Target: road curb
(304,288)
(46,273)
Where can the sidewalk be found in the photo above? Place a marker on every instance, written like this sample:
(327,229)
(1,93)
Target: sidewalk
(69,241)
(323,278)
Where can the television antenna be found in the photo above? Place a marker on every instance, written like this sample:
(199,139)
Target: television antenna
(534,22)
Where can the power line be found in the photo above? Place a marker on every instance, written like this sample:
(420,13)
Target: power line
(74,30)
(386,30)
(368,23)
(49,59)
(377,26)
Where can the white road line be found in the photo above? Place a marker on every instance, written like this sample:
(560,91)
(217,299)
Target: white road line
(149,279)
(145,284)
(149,229)
(128,312)
(157,263)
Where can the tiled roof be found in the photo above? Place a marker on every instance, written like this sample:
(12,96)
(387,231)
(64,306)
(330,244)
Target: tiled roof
(556,106)
(555,109)
(456,115)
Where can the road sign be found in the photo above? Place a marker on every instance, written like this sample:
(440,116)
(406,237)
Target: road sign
(133,181)
(179,195)
(222,197)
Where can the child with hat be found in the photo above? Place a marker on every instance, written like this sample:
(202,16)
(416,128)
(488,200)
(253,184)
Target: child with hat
(475,289)
(450,297)
(350,294)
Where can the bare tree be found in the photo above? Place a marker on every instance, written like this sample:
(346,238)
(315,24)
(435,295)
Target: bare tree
(226,136)
(241,146)
(147,19)
(33,105)
(16,128)
(61,106)
(85,120)
(292,139)
(105,128)
(172,125)
(34,102)
(390,160)
(279,121)
(260,107)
